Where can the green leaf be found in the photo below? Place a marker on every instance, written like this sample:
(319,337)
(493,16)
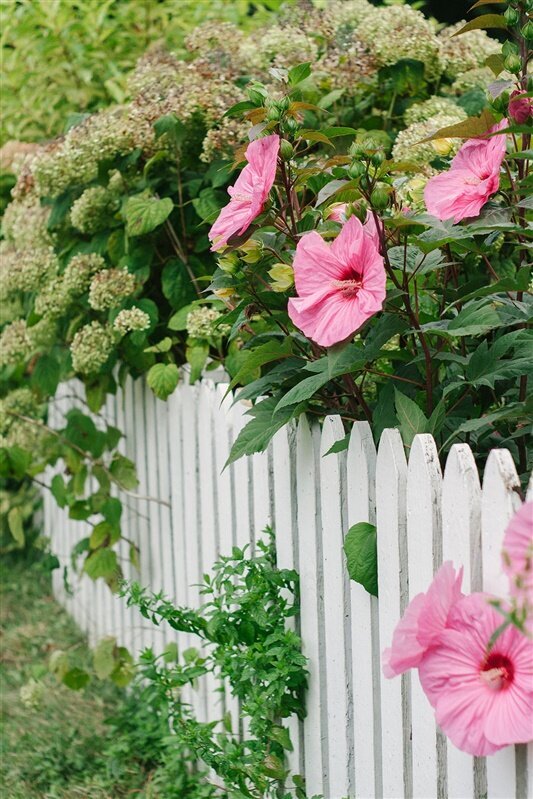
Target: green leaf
(467,129)
(339,446)
(144,213)
(266,353)
(412,420)
(281,736)
(260,430)
(58,489)
(196,356)
(123,471)
(58,664)
(170,126)
(101,563)
(333,132)
(104,657)
(163,379)
(76,679)
(16,528)
(483,22)
(45,375)
(303,390)
(473,320)
(82,432)
(102,533)
(176,284)
(238,109)
(360,546)
(209,202)
(437,419)
(416,261)
(162,346)
(299,73)
(178,321)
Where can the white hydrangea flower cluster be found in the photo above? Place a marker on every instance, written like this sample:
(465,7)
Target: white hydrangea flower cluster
(53,301)
(109,287)
(80,270)
(24,223)
(18,432)
(478,78)
(15,343)
(468,51)
(91,347)
(42,334)
(410,147)
(284,47)
(200,322)
(435,106)
(26,269)
(131,319)
(92,210)
(75,158)
(398,32)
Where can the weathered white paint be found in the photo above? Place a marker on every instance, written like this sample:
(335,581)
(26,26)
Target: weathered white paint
(364,737)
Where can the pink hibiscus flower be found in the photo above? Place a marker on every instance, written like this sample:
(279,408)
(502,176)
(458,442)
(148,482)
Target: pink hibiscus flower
(473,177)
(517,560)
(339,285)
(423,622)
(483,698)
(250,192)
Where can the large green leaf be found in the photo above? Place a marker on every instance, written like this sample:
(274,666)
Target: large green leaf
(104,658)
(102,563)
(260,430)
(176,284)
(360,546)
(163,379)
(16,528)
(473,320)
(411,418)
(144,213)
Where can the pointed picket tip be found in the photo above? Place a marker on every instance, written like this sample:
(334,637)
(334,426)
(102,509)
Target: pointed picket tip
(461,462)
(500,468)
(332,431)
(424,456)
(361,440)
(391,452)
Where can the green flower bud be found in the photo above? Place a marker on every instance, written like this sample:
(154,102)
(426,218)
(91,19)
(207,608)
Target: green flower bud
(378,158)
(291,125)
(273,114)
(253,250)
(356,169)
(500,102)
(512,16)
(282,277)
(380,197)
(513,63)
(229,263)
(286,150)
(527,30)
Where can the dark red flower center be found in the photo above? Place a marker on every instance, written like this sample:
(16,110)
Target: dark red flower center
(497,671)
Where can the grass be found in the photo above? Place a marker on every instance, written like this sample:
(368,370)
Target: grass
(56,747)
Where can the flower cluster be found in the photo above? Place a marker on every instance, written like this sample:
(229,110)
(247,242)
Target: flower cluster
(109,287)
(15,431)
(31,694)
(397,32)
(53,301)
(468,51)
(91,211)
(129,320)
(27,269)
(15,343)
(409,145)
(80,270)
(200,322)
(24,223)
(91,347)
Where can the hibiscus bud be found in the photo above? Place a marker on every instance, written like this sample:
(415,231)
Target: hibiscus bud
(520,107)
(256,96)
(500,102)
(380,197)
(512,63)
(283,104)
(286,150)
(282,277)
(527,30)
(512,16)
(225,293)
(359,210)
(273,114)
(378,158)
(291,124)
(229,263)
(356,151)
(253,250)
(356,169)
(443,147)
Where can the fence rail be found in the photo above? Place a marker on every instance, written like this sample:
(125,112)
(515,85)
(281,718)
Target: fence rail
(364,736)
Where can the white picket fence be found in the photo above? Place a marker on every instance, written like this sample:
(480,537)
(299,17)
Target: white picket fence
(364,736)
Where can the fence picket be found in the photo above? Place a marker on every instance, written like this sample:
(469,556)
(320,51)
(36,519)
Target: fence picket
(311,602)
(337,614)
(424,556)
(461,543)
(286,543)
(364,736)
(391,481)
(361,497)
(498,503)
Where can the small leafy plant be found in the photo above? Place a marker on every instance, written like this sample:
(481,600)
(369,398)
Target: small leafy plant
(249,647)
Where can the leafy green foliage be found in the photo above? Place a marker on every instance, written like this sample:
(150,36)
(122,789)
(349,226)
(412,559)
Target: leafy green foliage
(360,547)
(248,644)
